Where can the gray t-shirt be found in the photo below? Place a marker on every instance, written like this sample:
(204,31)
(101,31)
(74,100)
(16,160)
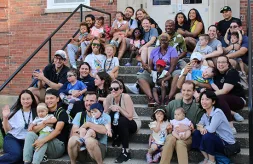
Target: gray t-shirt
(148,35)
(206,50)
(214,44)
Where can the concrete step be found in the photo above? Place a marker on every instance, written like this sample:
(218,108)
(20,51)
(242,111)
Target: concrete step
(128,70)
(128,78)
(123,61)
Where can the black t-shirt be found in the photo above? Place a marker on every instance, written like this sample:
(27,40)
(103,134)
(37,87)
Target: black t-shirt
(184,27)
(223,25)
(89,82)
(61,116)
(152,22)
(51,74)
(231,77)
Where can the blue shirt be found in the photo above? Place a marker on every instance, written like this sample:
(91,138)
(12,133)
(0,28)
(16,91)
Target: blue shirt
(89,82)
(217,123)
(148,35)
(79,85)
(197,76)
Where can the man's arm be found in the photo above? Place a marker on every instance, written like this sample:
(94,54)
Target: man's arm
(98,128)
(242,51)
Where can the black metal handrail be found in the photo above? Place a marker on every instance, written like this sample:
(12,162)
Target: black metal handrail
(49,40)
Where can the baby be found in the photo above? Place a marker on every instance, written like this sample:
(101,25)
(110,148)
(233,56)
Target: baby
(98,117)
(179,118)
(43,118)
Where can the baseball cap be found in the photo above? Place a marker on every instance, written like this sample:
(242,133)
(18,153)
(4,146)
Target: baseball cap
(225,8)
(61,53)
(161,62)
(196,55)
(97,106)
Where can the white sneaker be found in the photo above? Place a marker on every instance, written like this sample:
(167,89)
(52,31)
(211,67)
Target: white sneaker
(133,88)
(238,117)
(233,130)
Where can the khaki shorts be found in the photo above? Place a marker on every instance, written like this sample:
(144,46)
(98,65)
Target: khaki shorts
(84,156)
(42,94)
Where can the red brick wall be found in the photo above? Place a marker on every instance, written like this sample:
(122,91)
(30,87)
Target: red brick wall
(23,27)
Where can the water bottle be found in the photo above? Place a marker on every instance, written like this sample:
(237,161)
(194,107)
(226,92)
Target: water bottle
(116,118)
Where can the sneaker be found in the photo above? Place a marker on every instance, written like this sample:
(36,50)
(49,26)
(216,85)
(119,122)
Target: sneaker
(44,159)
(128,64)
(123,157)
(140,71)
(133,88)
(151,102)
(149,158)
(233,130)
(238,117)
(139,64)
(82,148)
(156,157)
(81,141)
(65,100)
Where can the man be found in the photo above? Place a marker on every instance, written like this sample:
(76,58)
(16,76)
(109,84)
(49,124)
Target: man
(90,20)
(125,44)
(95,149)
(241,50)
(193,113)
(53,76)
(53,143)
(224,24)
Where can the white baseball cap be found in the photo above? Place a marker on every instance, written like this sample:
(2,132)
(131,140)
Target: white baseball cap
(196,55)
(61,53)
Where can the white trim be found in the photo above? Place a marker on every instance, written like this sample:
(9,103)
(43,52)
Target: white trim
(51,5)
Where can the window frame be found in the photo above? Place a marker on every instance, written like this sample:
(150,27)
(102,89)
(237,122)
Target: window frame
(52,5)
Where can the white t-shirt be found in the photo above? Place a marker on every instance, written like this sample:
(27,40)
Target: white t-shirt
(109,64)
(159,137)
(154,76)
(39,120)
(96,62)
(17,124)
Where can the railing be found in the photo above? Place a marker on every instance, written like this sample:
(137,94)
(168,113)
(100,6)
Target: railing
(49,41)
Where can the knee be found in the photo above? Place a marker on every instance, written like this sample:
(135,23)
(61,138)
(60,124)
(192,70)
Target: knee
(123,122)
(31,136)
(91,143)
(207,137)
(72,142)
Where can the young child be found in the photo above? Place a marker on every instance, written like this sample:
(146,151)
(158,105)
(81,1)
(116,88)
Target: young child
(208,74)
(111,64)
(179,118)
(79,44)
(159,128)
(99,118)
(135,43)
(121,28)
(74,91)
(98,30)
(236,38)
(43,118)
(202,47)
(160,78)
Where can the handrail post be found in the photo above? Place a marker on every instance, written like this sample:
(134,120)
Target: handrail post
(81,13)
(49,50)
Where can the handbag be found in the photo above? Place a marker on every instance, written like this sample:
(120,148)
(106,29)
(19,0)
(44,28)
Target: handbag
(232,149)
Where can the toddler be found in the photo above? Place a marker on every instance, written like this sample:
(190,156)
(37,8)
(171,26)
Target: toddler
(159,128)
(236,38)
(160,78)
(203,47)
(98,30)
(135,43)
(98,117)
(111,64)
(74,91)
(179,118)
(43,118)
(121,28)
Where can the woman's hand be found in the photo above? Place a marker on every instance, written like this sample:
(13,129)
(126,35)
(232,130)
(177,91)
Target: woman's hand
(6,111)
(203,131)
(114,108)
(38,144)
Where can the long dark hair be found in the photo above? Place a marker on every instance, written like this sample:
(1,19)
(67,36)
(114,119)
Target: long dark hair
(107,78)
(18,106)
(198,18)
(185,20)
(89,48)
(211,95)
(141,34)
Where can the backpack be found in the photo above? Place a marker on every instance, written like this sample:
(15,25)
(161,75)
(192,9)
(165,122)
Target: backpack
(83,118)
(222,159)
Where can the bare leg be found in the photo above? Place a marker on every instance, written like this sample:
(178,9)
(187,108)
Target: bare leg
(145,87)
(122,48)
(205,155)
(152,148)
(94,150)
(90,133)
(186,135)
(190,43)
(73,149)
(83,132)
(175,134)
(173,87)
(155,95)
(211,158)
(36,93)
(163,94)
(144,54)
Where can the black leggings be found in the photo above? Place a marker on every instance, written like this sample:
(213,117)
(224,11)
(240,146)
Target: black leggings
(228,103)
(124,128)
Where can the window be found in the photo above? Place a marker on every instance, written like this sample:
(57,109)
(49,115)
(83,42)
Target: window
(192,1)
(62,4)
(161,2)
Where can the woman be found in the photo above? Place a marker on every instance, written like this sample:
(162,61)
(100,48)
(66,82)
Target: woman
(230,93)
(128,121)
(170,56)
(181,22)
(149,36)
(15,124)
(141,14)
(95,56)
(84,76)
(213,129)
(196,27)
(102,82)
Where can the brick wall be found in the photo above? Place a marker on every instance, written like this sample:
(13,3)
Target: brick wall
(23,27)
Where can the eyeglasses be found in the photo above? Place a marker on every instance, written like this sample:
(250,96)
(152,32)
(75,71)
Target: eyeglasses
(70,75)
(115,89)
(233,27)
(96,44)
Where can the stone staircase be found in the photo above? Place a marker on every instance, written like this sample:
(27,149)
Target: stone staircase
(139,142)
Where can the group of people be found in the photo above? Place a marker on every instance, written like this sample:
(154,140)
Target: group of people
(191,79)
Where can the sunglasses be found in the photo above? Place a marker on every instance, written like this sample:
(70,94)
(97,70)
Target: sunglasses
(137,32)
(70,75)
(96,44)
(233,26)
(115,89)
(196,61)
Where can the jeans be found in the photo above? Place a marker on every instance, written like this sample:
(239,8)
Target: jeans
(13,150)
(72,49)
(54,148)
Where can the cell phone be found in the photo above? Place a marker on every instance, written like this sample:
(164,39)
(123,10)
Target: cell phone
(37,70)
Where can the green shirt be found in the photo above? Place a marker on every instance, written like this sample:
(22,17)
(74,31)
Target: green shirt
(193,112)
(177,41)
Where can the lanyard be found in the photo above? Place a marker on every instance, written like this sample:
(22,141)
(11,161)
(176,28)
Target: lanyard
(28,121)
(109,65)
